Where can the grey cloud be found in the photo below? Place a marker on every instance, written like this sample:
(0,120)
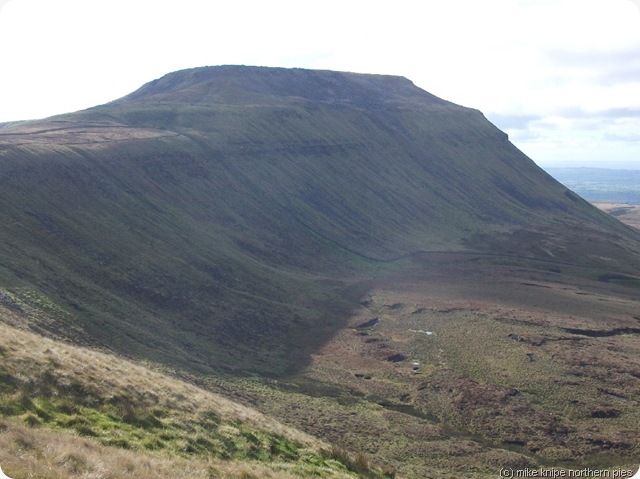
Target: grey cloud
(603,125)
(619,112)
(512,122)
(627,138)
(587,119)
(621,73)
(595,118)
(579,114)
(523,136)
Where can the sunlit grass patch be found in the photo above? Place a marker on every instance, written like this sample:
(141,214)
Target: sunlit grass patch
(113,403)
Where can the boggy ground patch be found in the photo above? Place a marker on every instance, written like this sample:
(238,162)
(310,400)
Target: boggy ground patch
(492,371)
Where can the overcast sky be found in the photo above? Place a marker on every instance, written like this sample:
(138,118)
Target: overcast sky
(561,77)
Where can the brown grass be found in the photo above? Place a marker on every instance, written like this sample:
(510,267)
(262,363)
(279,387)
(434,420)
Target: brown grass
(33,356)
(629,214)
(46,367)
(41,453)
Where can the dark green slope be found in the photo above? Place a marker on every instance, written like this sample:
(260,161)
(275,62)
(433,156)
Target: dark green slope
(218,217)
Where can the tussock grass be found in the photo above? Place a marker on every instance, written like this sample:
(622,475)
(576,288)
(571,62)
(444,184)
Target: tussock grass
(56,375)
(41,453)
(115,418)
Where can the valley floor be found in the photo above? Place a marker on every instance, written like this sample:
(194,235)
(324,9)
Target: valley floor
(455,365)
(468,366)
(629,214)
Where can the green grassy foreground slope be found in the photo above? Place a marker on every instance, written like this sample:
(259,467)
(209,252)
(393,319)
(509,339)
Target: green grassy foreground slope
(74,412)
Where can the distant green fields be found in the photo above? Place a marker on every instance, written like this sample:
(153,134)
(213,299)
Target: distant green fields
(601,184)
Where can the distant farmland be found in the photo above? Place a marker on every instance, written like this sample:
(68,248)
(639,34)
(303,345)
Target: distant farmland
(601,184)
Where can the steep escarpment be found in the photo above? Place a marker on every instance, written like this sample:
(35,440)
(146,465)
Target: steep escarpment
(228,218)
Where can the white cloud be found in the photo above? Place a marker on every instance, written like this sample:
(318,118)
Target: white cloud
(636,3)
(3,3)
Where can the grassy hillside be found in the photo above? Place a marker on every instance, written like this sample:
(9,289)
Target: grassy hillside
(210,219)
(247,224)
(73,412)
